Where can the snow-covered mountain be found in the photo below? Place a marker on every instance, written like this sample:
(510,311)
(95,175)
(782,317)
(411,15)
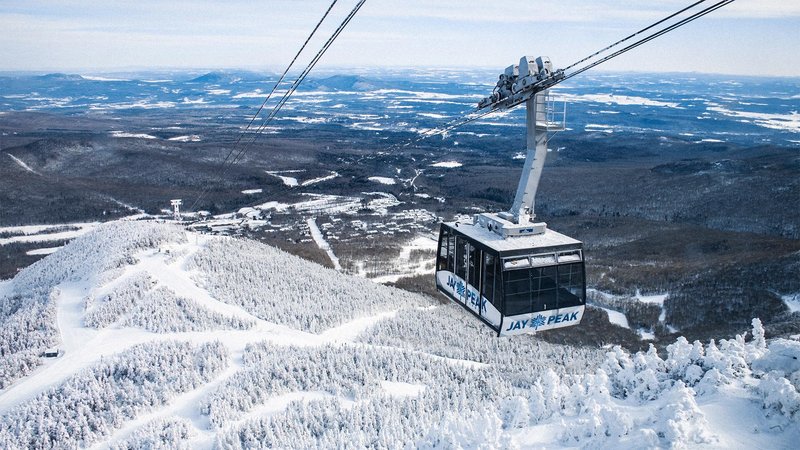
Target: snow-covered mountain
(171,339)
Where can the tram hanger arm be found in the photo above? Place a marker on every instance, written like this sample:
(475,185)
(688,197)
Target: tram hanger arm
(522,96)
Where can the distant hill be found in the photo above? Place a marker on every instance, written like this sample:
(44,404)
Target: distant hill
(230,77)
(343,83)
(60,77)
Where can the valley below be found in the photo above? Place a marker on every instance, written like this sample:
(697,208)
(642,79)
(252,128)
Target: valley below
(671,194)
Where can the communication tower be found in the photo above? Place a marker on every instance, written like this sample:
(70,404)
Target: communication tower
(176,208)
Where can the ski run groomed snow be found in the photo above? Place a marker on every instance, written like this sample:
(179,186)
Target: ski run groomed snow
(171,339)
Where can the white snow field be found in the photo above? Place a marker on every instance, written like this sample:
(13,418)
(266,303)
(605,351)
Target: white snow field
(186,138)
(447,164)
(288,181)
(170,339)
(319,239)
(330,176)
(124,134)
(44,233)
(611,99)
(382,180)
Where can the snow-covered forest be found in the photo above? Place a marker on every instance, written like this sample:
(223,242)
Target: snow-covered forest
(92,403)
(27,303)
(168,339)
(279,288)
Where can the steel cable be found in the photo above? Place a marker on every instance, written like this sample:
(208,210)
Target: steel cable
(223,168)
(467,119)
(300,79)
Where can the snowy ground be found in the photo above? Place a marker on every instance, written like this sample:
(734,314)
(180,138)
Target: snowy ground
(22,164)
(447,164)
(405,266)
(702,395)
(382,180)
(322,243)
(44,233)
(792,301)
(619,318)
(287,180)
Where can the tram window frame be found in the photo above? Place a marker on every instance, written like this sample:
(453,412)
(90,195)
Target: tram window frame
(461,263)
(489,285)
(451,252)
(474,266)
(530,290)
(516,292)
(571,284)
(544,288)
(442,258)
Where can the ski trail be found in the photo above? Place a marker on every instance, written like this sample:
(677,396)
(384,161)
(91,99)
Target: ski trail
(83,347)
(405,267)
(75,339)
(108,342)
(174,276)
(288,181)
(615,317)
(22,164)
(320,179)
(322,243)
(276,404)
(129,207)
(348,332)
(186,406)
(458,362)
(57,236)
(418,172)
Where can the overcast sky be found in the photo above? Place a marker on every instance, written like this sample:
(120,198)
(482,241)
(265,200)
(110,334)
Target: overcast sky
(752,37)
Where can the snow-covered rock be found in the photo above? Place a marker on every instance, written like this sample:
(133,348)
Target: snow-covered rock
(783,356)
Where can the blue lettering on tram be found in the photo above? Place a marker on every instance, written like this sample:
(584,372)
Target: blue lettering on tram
(541,320)
(470,296)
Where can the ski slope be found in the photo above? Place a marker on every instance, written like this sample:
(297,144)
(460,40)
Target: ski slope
(311,358)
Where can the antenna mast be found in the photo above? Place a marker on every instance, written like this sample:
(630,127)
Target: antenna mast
(176,209)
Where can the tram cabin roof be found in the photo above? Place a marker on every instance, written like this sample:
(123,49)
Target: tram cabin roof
(549,241)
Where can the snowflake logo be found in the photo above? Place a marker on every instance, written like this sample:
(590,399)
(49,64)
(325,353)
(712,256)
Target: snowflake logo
(537,321)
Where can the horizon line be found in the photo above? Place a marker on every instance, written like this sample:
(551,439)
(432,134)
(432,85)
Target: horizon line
(271,71)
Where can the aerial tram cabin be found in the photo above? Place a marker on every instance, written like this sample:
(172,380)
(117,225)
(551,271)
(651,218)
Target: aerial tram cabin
(518,285)
(517,275)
